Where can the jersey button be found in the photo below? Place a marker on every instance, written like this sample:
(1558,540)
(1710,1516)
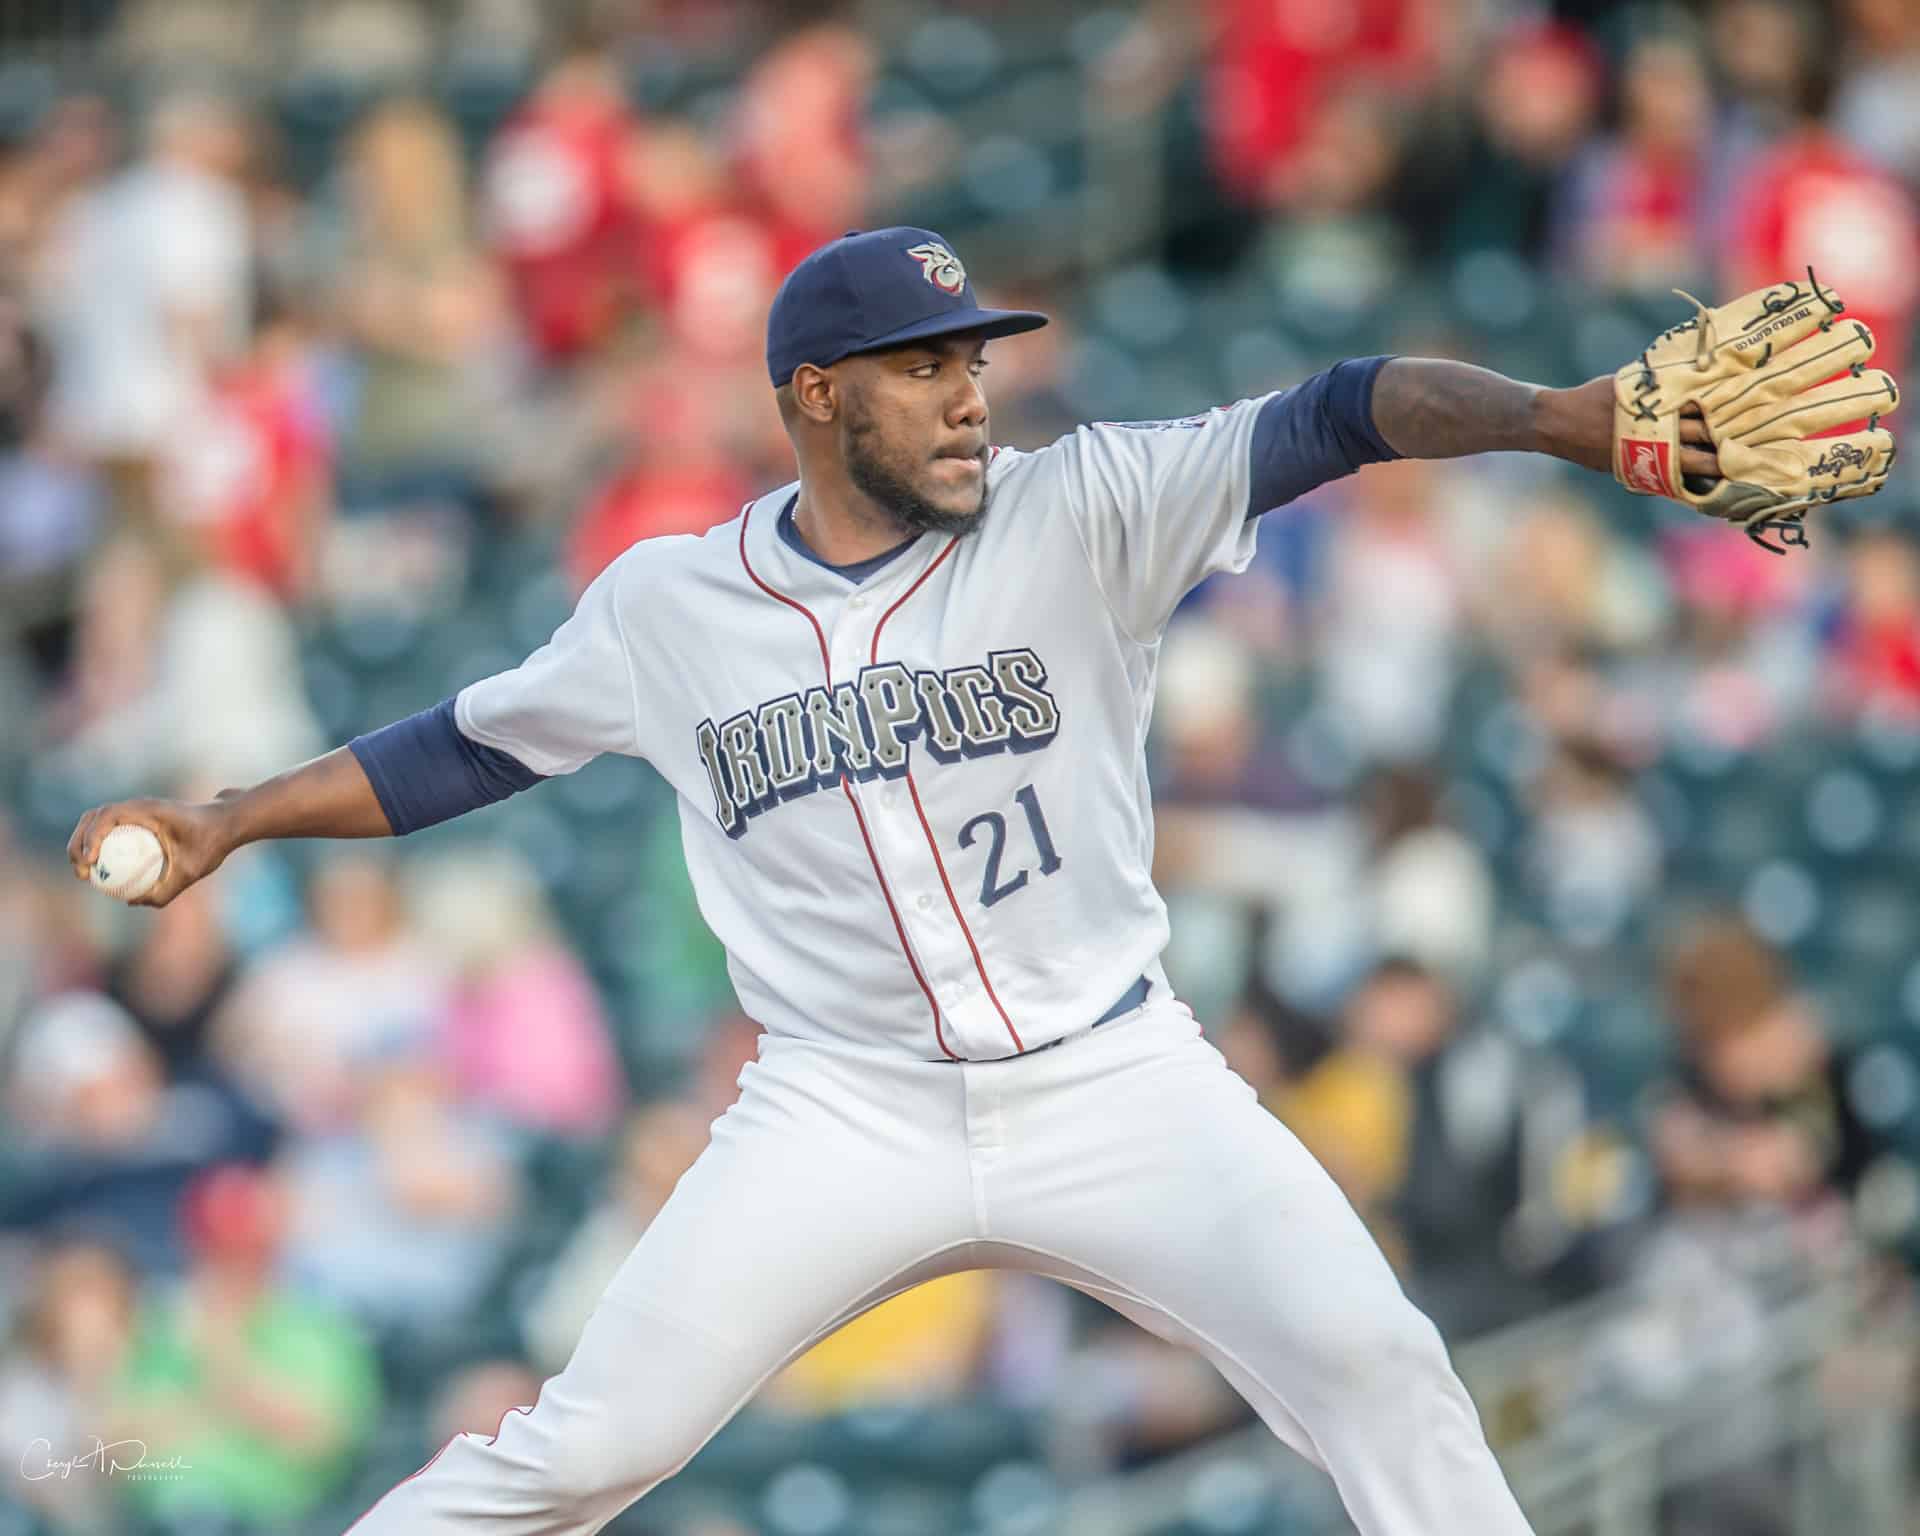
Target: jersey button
(859,600)
(924,901)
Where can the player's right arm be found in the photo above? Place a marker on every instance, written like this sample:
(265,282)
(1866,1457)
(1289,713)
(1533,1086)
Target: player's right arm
(330,796)
(567,703)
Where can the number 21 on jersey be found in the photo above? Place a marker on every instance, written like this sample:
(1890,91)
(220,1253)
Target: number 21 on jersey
(994,825)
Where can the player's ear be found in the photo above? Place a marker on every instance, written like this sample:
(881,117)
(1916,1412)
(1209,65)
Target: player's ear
(815,393)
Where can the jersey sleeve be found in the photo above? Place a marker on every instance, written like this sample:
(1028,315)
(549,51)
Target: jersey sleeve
(1161,505)
(424,771)
(572,699)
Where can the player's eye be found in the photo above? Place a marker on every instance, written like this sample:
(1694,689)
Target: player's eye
(979,366)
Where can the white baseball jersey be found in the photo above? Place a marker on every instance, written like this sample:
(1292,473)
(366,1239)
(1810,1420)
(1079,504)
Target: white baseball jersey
(915,808)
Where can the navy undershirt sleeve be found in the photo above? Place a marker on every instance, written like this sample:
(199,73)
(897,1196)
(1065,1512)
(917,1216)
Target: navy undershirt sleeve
(1317,431)
(424,772)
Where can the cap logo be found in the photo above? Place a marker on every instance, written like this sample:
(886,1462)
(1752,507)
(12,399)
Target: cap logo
(940,266)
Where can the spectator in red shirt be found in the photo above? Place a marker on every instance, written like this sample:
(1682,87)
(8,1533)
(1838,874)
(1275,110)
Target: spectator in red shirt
(251,482)
(709,260)
(680,183)
(1274,67)
(802,154)
(1638,217)
(1877,641)
(1813,199)
(558,203)
(679,477)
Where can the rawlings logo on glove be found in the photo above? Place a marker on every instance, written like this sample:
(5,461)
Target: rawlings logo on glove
(1754,369)
(1644,467)
(1842,457)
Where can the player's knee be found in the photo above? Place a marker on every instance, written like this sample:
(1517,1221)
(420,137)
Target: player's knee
(601,1468)
(1378,1351)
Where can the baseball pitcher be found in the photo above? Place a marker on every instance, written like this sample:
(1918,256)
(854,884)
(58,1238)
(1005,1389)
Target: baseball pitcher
(903,703)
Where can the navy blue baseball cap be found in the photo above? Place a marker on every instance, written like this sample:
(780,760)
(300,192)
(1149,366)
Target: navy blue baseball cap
(877,289)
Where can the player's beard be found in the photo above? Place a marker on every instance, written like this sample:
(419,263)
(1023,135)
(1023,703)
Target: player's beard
(892,489)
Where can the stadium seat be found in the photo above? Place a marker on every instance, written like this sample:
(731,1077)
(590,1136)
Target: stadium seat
(315,113)
(480,95)
(955,59)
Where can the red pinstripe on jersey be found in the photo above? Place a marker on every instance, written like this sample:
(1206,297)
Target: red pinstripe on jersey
(933,845)
(979,965)
(826,666)
(938,560)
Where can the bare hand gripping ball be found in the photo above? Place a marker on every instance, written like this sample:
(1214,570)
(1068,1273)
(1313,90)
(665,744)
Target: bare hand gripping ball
(129,864)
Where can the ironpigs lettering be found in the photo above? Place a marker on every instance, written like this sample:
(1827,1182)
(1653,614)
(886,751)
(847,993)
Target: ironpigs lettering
(802,742)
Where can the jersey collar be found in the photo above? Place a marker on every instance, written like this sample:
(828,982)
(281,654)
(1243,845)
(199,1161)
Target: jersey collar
(798,573)
(856,571)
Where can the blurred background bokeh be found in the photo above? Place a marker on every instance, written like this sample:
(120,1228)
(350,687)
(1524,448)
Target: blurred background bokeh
(1544,858)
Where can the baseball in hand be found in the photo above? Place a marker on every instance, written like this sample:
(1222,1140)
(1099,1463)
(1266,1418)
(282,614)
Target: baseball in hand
(129,864)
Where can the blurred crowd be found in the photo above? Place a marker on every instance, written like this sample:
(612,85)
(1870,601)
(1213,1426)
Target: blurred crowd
(1536,854)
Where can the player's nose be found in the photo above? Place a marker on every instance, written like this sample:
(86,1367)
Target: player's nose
(969,406)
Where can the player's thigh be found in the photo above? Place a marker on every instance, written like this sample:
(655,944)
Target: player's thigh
(1169,1182)
(833,1174)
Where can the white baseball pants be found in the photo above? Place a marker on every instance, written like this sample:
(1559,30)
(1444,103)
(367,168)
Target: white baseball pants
(1129,1162)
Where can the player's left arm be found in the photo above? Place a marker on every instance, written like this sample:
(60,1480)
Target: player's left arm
(1757,411)
(1431,408)
(1367,410)
(1160,506)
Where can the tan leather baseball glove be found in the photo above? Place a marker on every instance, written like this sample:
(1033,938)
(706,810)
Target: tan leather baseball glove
(1754,367)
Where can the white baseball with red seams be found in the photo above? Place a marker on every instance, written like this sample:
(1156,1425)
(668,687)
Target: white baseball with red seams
(916,812)
(130,862)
